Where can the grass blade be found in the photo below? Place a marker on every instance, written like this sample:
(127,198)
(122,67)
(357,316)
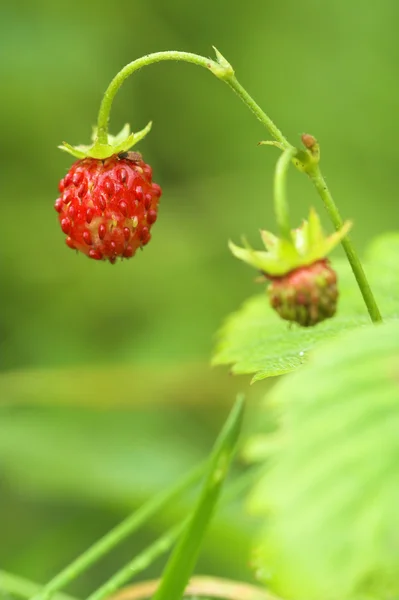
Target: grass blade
(23,588)
(117,535)
(163,544)
(182,560)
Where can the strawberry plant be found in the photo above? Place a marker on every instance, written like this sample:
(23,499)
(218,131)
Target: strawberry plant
(323,478)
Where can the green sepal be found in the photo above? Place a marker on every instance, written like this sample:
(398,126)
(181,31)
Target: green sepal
(221,68)
(121,142)
(307,245)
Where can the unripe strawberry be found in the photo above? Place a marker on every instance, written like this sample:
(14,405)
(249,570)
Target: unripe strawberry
(307,295)
(303,286)
(107,207)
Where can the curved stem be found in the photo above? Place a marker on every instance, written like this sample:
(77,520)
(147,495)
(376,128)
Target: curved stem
(280,195)
(353,258)
(164,543)
(224,71)
(129,69)
(118,534)
(221,69)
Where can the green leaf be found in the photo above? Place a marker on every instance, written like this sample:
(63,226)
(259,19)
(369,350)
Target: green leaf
(331,486)
(255,340)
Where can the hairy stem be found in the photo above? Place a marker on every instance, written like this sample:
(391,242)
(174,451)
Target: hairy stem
(280,195)
(257,111)
(221,69)
(353,258)
(224,71)
(117,535)
(129,69)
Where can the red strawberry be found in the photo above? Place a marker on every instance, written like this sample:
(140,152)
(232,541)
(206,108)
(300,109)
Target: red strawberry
(107,207)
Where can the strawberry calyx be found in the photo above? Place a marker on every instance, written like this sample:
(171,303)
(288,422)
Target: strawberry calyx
(305,246)
(303,286)
(122,142)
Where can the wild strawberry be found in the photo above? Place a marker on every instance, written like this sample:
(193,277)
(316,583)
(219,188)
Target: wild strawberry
(303,286)
(307,295)
(107,207)
(108,202)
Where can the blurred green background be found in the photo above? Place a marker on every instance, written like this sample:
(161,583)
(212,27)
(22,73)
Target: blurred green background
(106,390)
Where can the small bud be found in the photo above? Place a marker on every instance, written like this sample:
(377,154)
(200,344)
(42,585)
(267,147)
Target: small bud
(308,141)
(312,149)
(221,68)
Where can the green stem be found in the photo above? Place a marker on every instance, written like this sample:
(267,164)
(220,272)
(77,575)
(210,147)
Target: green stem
(353,258)
(129,69)
(117,535)
(164,543)
(221,69)
(224,71)
(24,588)
(139,563)
(280,194)
(258,112)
